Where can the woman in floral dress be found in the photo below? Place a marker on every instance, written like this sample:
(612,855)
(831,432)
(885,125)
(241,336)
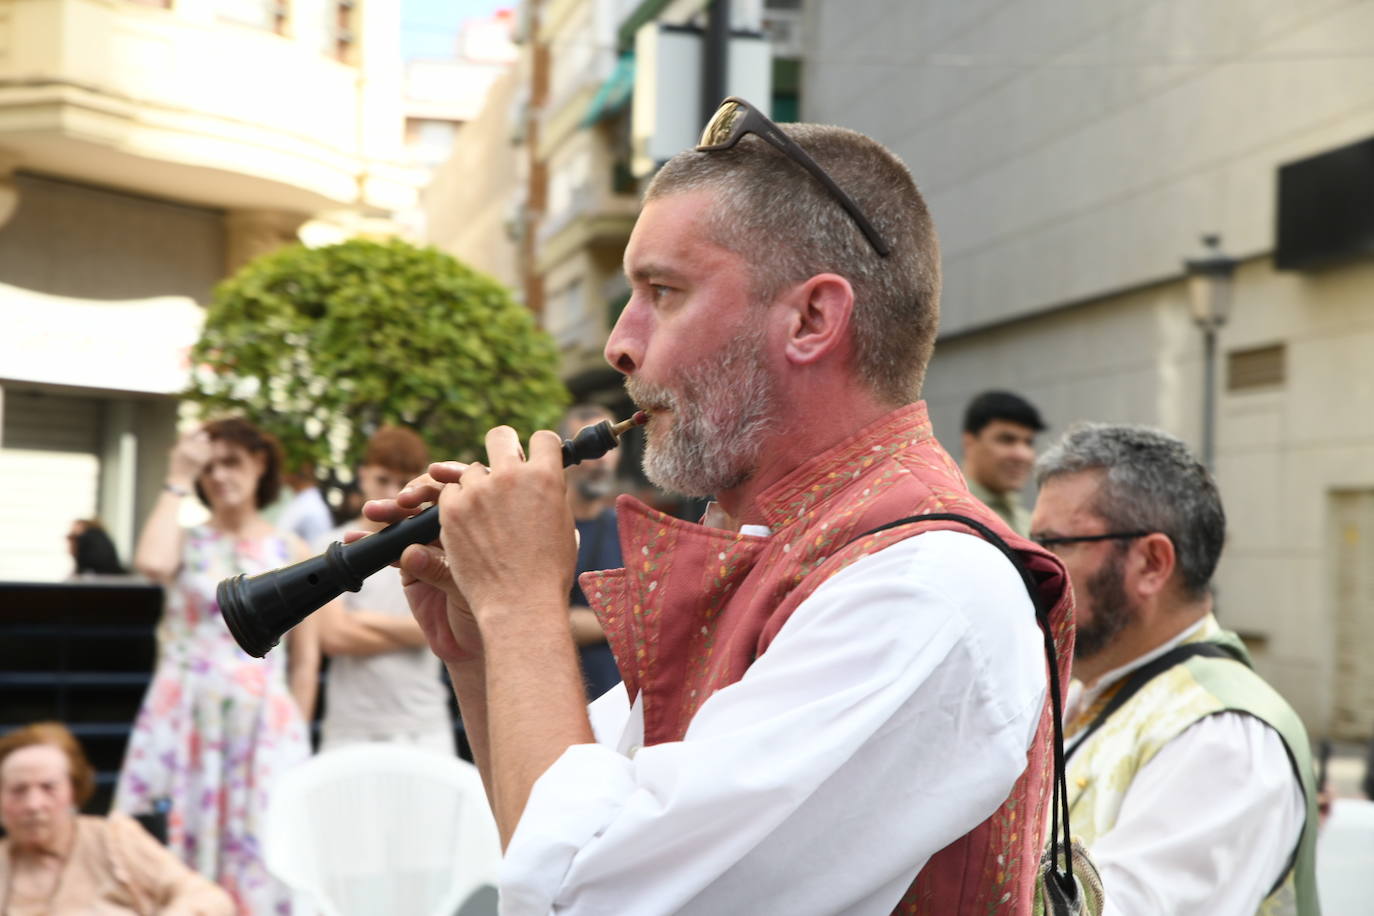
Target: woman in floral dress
(218,727)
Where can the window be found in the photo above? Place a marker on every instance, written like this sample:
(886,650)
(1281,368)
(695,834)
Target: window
(568,176)
(1260,367)
(260,14)
(337,32)
(567,315)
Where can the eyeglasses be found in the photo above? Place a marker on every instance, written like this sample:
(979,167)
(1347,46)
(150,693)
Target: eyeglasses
(1083,538)
(735,117)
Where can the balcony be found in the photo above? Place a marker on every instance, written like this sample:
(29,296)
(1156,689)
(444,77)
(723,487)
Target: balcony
(174,103)
(595,217)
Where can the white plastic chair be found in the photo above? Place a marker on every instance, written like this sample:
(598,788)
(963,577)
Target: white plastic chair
(1345,856)
(380,830)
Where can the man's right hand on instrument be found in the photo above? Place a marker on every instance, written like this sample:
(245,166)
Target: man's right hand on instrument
(433,595)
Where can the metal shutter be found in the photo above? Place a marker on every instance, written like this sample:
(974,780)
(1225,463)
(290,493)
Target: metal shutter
(50,476)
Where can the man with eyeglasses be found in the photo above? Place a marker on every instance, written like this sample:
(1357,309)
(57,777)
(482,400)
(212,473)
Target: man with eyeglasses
(1190,778)
(816,716)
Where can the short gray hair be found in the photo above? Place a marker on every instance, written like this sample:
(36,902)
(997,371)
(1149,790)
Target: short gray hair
(1151,483)
(786,223)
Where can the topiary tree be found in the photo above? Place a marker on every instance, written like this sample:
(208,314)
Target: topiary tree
(321,346)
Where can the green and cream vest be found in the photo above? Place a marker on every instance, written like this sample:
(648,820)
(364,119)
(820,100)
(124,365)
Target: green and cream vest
(1101,771)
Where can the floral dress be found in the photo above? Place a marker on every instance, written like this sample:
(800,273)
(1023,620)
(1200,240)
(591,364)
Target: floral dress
(217,727)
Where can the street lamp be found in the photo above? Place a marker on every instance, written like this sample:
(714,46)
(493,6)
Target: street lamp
(1210,281)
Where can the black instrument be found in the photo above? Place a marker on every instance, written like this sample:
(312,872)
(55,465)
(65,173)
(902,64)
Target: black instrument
(260,609)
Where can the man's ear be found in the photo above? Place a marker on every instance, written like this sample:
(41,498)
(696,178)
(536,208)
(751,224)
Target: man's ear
(818,317)
(1154,561)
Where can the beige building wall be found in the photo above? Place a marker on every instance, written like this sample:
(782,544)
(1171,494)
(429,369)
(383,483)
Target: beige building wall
(146,152)
(1285,452)
(470,203)
(180,104)
(130,246)
(1072,154)
(1070,149)
(585,222)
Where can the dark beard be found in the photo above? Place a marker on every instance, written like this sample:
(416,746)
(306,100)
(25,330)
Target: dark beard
(1105,591)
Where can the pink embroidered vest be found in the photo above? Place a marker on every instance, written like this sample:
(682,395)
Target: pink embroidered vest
(694,606)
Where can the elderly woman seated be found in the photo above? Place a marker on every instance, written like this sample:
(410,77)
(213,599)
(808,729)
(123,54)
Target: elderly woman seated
(55,861)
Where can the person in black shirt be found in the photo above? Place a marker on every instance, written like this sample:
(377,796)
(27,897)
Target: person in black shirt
(92,549)
(591,496)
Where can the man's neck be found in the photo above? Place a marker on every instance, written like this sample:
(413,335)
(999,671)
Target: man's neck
(1133,643)
(818,429)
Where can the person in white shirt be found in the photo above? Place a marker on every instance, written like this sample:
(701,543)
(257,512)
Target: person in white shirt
(1190,779)
(383,682)
(814,718)
(591,496)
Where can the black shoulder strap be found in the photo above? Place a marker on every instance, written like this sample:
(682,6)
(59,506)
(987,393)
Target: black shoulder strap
(1059,802)
(1146,673)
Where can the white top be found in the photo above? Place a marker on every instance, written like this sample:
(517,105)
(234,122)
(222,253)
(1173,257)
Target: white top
(391,695)
(1208,824)
(890,716)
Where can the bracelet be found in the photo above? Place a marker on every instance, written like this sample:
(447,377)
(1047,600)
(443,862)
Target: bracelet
(173,488)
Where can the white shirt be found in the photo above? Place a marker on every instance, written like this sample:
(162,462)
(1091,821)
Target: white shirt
(1208,824)
(890,716)
(397,695)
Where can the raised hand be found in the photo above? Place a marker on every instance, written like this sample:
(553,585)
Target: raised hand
(189,457)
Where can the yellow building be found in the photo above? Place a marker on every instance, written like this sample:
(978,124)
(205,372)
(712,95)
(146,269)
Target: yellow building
(148,149)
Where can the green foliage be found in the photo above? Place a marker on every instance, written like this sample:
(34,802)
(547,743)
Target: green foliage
(321,346)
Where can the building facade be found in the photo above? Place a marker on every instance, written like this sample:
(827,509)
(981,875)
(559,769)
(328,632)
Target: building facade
(444,94)
(148,150)
(569,130)
(561,153)
(1072,155)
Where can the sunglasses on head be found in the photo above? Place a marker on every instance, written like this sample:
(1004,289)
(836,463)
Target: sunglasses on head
(736,117)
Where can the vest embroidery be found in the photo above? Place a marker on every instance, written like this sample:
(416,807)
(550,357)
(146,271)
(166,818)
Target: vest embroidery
(695,606)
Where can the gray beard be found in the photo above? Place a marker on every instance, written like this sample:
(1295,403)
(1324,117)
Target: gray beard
(721,412)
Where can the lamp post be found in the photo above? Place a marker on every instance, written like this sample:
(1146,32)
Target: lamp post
(1210,281)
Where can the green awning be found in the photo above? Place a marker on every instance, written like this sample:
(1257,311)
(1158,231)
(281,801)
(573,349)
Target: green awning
(615,93)
(646,12)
